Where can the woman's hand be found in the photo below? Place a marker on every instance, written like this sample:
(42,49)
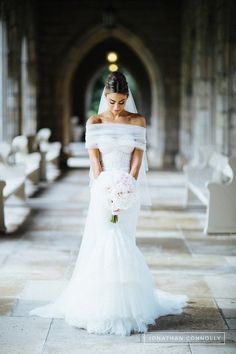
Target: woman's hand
(134,180)
(97,175)
(94,155)
(133,176)
(136,161)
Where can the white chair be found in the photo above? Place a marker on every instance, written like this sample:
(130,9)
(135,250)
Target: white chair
(213,183)
(30,161)
(50,153)
(12,182)
(5,152)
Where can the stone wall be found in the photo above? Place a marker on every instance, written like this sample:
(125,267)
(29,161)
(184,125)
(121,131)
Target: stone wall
(18,68)
(156,23)
(191,42)
(208,77)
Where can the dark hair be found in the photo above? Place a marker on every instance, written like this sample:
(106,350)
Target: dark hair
(116,82)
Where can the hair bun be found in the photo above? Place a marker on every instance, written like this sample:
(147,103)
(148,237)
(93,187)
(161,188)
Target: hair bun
(116,82)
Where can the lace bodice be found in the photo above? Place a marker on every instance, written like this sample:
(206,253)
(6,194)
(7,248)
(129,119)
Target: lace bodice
(116,152)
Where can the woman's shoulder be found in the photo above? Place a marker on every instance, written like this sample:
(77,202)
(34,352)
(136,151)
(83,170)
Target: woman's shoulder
(94,119)
(138,119)
(134,119)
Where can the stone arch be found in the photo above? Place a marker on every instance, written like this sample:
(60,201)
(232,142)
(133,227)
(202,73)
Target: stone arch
(67,68)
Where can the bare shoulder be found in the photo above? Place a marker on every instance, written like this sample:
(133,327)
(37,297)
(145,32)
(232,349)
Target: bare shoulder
(93,119)
(138,119)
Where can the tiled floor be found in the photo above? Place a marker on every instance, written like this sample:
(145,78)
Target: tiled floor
(37,259)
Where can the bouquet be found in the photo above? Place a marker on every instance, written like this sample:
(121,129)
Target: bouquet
(120,192)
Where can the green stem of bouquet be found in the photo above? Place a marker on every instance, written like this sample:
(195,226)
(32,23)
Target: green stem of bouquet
(114,218)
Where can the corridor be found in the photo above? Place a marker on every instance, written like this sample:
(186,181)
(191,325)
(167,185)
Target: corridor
(38,258)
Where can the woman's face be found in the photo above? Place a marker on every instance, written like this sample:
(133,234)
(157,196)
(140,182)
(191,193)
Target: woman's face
(116,102)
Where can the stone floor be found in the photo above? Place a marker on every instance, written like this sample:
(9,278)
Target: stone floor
(38,256)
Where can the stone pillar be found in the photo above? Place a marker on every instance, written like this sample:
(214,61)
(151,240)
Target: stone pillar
(206,77)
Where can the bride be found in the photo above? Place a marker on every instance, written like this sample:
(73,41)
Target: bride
(111,290)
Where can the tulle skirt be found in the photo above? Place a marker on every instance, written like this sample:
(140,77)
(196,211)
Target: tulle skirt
(111,290)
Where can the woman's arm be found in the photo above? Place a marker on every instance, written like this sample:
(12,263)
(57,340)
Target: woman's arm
(94,153)
(135,163)
(137,156)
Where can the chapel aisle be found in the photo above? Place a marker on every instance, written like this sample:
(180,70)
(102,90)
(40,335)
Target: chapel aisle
(37,261)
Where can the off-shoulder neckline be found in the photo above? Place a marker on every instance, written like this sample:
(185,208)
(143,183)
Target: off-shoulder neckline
(123,124)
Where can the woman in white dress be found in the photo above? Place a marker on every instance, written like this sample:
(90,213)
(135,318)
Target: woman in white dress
(111,290)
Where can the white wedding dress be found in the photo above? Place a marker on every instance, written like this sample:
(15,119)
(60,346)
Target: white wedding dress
(111,290)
